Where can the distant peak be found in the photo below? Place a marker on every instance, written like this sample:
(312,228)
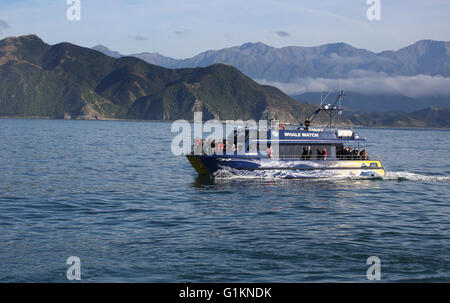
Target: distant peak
(30,37)
(100,46)
(149,54)
(221,65)
(427,41)
(338,45)
(247,44)
(105,50)
(252,45)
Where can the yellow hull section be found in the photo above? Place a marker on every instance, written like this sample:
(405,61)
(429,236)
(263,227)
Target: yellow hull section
(371,168)
(198,165)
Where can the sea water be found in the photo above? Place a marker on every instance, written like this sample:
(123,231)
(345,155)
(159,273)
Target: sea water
(112,194)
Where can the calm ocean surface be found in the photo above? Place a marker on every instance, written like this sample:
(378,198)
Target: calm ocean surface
(112,194)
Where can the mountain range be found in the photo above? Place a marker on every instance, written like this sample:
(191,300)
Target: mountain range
(408,79)
(69,81)
(334,60)
(380,103)
(72,82)
(425,118)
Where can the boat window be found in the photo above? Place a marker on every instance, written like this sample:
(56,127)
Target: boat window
(296,150)
(240,141)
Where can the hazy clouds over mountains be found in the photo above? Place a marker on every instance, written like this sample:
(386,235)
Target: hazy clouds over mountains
(363,82)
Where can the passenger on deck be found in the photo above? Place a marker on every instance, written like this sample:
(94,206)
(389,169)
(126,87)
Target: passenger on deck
(202,144)
(324,153)
(319,154)
(213,146)
(197,145)
(307,124)
(363,154)
(304,153)
(224,146)
(339,152)
(269,152)
(344,153)
(205,146)
(355,154)
(220,147)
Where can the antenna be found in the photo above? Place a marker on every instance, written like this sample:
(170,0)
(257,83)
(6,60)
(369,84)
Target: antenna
(334,111)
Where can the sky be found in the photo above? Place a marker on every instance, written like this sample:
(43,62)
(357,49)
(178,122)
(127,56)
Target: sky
(182,29)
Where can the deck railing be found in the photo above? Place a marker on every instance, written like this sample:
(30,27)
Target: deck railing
(328,158)
(287,157)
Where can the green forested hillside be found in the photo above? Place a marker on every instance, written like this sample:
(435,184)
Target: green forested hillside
(65,80)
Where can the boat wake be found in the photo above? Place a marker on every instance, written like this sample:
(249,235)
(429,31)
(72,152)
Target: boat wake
(390,176)
(407,176)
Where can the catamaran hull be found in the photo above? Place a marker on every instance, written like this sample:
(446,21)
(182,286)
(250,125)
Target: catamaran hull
(222,167)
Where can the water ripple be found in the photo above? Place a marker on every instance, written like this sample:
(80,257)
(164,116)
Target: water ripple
(112,194)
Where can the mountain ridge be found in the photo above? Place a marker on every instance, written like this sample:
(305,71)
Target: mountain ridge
(69,81)
(425,118)
(73,82)
(331,60)
(309,70)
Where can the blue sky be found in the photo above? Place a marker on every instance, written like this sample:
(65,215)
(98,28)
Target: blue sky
(183,29)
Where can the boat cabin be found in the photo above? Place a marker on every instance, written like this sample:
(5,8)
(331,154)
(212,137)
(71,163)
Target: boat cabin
(293,143)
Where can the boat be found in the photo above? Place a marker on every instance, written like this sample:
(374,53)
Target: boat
(289,151)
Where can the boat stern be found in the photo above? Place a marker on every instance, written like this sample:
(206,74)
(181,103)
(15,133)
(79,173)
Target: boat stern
(375,168)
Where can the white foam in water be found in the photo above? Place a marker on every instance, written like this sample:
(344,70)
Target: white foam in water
(390,175)
(403,175)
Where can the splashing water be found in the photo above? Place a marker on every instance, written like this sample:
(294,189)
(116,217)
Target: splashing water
(390,176)
(407,176)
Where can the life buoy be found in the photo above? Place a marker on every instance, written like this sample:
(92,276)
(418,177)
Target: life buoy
(282,126)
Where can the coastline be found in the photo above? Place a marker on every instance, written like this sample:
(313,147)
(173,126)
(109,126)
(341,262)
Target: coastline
(221,121)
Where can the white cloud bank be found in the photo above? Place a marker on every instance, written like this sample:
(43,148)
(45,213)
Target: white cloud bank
(370,83)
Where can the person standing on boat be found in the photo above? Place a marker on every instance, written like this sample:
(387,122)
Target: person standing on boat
(220,147)
(197,143)
(307,124)
(204,147)
(340,152)
(344,153)
(324,154)
(309,153)
(213,146)
(363,154)
(269,152)
(304,153)
(224,146)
